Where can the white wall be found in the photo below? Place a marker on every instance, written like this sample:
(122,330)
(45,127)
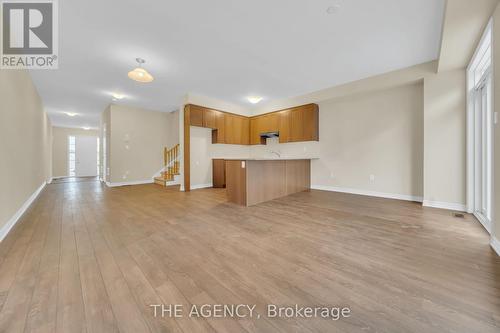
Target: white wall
(137,138)
(201,161)
(445,139)
(25,144)
(172,128)
(377,133)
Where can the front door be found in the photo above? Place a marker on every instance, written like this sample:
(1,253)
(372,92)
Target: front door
(86,156)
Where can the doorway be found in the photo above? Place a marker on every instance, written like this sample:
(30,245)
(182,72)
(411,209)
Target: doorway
(83,156)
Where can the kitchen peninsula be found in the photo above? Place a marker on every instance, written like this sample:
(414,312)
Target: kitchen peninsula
(252,181)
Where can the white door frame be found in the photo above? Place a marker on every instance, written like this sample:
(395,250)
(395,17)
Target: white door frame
(471,127)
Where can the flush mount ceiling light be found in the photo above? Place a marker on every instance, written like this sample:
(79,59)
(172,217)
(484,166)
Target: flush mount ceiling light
(333,9)
(254,99)
(86,128)
(71,114)
(140,74)
(117,96)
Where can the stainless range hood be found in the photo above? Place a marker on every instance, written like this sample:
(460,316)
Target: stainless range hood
(270,135)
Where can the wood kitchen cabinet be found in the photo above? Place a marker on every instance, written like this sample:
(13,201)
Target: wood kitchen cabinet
(263,124)
(284,125)
(196,115)
(210,118)
(245,132)
(219,173)
(294,125)
(218,134)
(255,131)
(299,124)
(215,120)
(237,129)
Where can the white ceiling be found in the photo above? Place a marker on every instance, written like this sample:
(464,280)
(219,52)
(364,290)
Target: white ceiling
(227,49)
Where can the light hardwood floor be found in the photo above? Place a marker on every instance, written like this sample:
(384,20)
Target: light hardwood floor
(89,258)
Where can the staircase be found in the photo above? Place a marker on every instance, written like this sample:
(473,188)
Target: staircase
(171,166)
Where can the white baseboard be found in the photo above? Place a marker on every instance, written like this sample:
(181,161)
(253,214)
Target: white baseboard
(14,219)
(495,244)
(484,222)
(136,182)
(199,186)
(445,205)
(367,193)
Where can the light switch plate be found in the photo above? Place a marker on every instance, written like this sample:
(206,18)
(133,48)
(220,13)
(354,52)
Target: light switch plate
(243,164)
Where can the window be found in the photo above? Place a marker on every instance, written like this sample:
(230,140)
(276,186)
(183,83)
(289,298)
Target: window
(71,156)
(480,132)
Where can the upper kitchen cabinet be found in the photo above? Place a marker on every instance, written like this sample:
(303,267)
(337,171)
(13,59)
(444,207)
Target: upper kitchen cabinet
(215,120)
(237,129)
(209,118)
(263,124)
(196,115)
(219,132)
(292,125)
(299,124)
(255,131)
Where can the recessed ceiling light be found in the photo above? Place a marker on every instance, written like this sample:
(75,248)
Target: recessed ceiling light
(71,114)
(254,99)
(117,96)
(333,9)
(139,74)
(86,128)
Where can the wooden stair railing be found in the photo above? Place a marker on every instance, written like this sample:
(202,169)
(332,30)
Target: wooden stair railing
(171,166)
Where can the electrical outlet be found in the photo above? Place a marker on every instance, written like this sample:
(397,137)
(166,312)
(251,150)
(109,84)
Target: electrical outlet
(332,175)
(372,178)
